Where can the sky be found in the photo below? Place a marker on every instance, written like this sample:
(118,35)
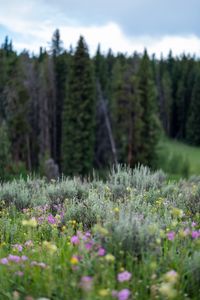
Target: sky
(124,26)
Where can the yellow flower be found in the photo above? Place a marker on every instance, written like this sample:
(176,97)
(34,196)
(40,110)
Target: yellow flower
(171,277)
(99,229)
(74,260)
(176,212)
(167,290)
(32,222)
(116,209)
(50,247)
(104,292)
(109,257)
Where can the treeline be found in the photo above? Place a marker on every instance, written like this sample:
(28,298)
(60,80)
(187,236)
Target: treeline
(87,113)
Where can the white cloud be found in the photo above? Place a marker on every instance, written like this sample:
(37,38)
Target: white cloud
(31,29)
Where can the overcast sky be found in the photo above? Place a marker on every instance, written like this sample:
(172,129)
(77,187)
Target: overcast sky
(124,26)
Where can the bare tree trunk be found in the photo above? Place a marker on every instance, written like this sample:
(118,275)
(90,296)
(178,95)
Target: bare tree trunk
(108,125)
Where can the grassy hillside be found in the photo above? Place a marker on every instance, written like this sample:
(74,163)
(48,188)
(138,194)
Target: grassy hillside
(134,236)
(178,158)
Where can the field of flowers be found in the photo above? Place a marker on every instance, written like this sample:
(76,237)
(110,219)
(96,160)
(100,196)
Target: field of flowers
(135,236)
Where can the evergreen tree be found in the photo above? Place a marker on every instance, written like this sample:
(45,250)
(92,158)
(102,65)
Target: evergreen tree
(193,124)
(79,115)
(147,94)
(127,112)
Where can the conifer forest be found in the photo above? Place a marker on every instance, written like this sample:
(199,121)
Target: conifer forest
(87,113)
(99,174)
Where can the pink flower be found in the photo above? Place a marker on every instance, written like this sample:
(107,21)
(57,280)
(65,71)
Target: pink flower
(89,245)
(123,294)
(171,235)
(194,224)
(86,283)
(75,240)
(51,219)
(101,252)
(195,234)
(4,261)
(19,273)
(124,276)
(28,243)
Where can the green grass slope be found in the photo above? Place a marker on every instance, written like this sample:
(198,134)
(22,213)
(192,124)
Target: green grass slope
(178,158)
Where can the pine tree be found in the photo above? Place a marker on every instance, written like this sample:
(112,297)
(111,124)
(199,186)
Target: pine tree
(193,124)
(127,112)
(60,62)
(147,94)
(79,115)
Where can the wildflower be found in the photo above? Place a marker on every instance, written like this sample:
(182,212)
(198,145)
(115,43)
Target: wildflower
(101,252)
(75,240)
(176,212)
(24,258)
(167,290)
(51,220)
(116,209)
(28,243)
(89,245)
(19,273)
(195,234)
(50,247)
(124,276)
(99,229)
(74,260)
(194,224)
(39,264)
(14,258)
(86,283)
(123,294)
(104,292)
(18,247)
(109,257)
(4,261)
(32,222)
(171,276)
(171,235)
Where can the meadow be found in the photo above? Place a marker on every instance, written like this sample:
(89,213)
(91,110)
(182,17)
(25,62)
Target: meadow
(135,235)
(178,159)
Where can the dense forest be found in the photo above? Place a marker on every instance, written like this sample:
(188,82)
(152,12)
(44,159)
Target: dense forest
(87,113)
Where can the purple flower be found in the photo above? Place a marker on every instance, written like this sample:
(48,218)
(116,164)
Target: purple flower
(86,283)
(14,258)
(101,252)
(123,294)
(124,276)
(19,273)
(4,261)
(195,234)
(18,247)
(171,235)
(89,245)
(194,224)
(51,219)
(24,258)
(75,240)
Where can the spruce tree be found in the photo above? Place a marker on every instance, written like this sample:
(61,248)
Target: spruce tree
(150,126)
(126,113)
(79,115)
(193,124)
